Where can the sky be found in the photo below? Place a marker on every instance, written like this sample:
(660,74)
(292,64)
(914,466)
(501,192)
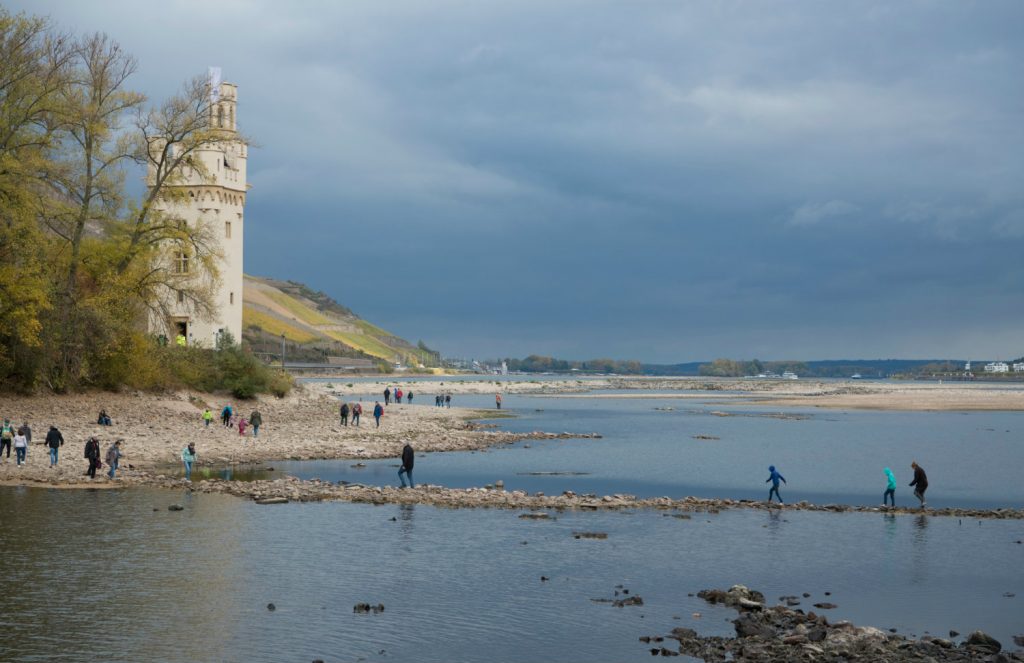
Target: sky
(662,181)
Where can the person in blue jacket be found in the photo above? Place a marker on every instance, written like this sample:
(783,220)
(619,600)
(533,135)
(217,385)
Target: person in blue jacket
(890,489)
(774,478)
(378,412)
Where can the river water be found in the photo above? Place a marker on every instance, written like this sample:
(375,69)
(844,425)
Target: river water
(973,459)
(113,575)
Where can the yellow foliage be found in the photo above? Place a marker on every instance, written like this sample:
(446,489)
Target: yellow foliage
(304,313)
(275,326)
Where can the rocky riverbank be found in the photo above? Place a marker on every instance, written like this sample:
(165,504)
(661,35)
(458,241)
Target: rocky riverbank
(780,633)
(496,497)
(303,426)
(851,394)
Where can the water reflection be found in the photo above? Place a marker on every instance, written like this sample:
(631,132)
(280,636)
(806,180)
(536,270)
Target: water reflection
(919,551)
(405,521)
(774,521)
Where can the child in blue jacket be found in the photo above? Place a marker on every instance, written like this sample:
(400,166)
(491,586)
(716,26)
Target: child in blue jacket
(774,478)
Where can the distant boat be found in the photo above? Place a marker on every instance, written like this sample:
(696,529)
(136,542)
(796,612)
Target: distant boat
(790,375)
(855,376)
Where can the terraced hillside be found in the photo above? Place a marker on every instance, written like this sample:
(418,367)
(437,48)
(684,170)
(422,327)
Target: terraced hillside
(316,327)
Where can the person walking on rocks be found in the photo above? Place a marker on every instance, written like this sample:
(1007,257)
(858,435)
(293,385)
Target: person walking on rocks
(437,400)
(407,461)
(255,420)
(207,417)
(408,399)
(113,458)
(6,437)
(398,394)
(242,424)
(378,412)
(54,440)
(25,430)
(387,395)
(774,477)
(890,489)
(188,456)
(448,400)
(921,483)
(225,416)
(92,453)
(357,409)
(20,448)
(344,414)
(497,401)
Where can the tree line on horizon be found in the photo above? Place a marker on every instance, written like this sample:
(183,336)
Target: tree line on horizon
(83,262)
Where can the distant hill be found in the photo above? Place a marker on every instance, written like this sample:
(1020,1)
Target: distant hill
(316,327)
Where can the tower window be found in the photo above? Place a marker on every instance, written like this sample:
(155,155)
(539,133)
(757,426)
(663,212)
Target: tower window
(181,297)
(181,263)
(231,298)
(227,229)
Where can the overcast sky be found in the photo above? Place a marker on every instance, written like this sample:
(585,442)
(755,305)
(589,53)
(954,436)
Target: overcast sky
(664,181)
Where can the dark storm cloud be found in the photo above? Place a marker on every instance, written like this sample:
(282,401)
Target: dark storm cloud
(665,181)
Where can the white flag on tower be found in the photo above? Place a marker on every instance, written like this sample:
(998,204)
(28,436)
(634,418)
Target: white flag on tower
(214,84)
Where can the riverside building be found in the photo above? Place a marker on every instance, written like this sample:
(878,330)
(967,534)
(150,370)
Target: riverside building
(216,199)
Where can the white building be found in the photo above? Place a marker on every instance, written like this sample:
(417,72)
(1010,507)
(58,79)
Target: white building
(1018,367)
(218,199)
(997,367)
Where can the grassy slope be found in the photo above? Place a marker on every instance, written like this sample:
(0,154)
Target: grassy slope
(366,338)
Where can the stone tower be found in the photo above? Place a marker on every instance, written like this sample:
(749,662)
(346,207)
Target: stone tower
(217,200)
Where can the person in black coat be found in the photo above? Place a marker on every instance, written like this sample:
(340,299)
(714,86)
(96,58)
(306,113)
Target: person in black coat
(407,461)
(92,452)
(921,483)
(54,440)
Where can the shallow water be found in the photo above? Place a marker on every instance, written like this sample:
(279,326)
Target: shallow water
(973,459)
(100,574)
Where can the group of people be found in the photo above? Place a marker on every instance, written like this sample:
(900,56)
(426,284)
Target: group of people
(443,400)
(20,440)
(919,484)
(229,419)
(397,395)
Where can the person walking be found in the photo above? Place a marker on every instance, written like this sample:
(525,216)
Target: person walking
(921,483)
(407,462)
(255,420)
(6,437)
(92,453)
(387,395)
(890,489)
(774,477)
(225,416)
(25,430)
(344,414)
(437,400)
(207,417)
(188,456)
(398,394)
(497,400)
(408,399)
(448,400)
(357,409)
(54,440)
(378,412)
(113,458)
(20,448)
(242,424)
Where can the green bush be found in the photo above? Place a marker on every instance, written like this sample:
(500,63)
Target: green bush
(141,363)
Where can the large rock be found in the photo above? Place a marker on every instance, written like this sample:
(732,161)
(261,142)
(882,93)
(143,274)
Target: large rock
(984,642)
